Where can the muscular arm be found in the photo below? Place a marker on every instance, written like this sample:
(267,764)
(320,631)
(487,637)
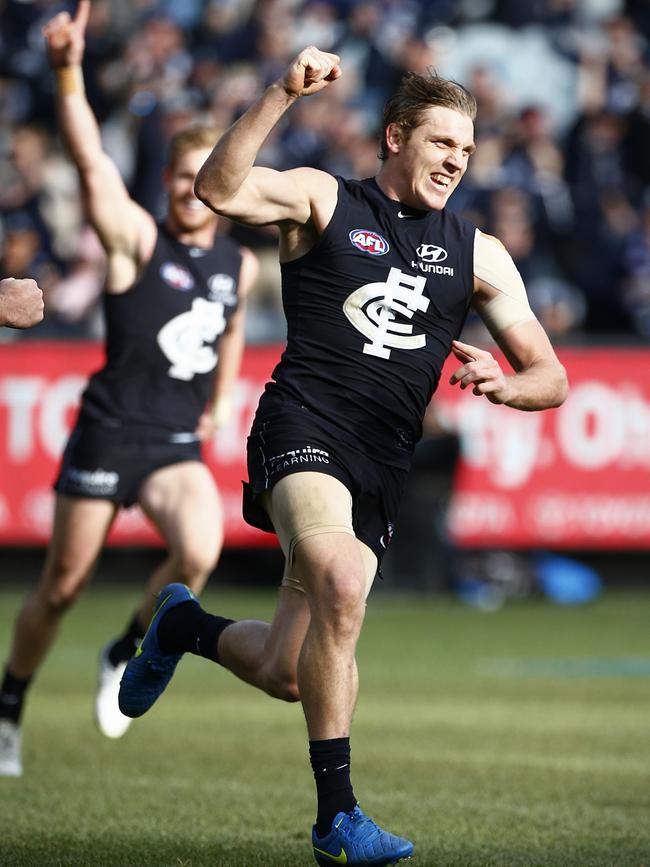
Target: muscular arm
(123,227)
(539,380)
(230,184)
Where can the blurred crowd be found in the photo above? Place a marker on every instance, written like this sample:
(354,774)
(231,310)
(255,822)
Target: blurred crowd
(561,174)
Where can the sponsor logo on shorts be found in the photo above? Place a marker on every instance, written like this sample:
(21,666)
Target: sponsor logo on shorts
(294,457)
(97,482)
(177,276)
(369,242)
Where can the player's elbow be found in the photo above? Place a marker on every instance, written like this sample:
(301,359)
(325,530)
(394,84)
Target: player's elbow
(560,385)
(206,192)
(203,193)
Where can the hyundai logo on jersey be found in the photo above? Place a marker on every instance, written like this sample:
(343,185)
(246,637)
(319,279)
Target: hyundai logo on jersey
(221,287)
(431,253)
(177,276)
(369,242)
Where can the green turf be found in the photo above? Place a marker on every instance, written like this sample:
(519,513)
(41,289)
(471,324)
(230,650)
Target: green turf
(515,738)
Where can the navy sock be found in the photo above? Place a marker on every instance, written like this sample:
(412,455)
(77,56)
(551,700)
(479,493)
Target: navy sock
(12,696)
(330,762)
(126,645)
(187,628)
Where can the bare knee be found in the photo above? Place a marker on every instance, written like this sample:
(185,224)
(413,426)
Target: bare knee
(192,565)
(61,587)
(341,608)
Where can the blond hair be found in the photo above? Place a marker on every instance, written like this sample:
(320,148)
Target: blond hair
(416,94)
(190,139)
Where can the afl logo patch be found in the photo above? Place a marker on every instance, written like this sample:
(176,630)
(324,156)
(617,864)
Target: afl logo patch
(177,276)
(369,242)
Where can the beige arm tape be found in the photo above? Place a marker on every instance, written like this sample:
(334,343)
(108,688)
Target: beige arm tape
(493,265)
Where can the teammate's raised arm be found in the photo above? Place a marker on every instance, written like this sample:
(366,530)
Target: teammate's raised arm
(230,185)
(113,214)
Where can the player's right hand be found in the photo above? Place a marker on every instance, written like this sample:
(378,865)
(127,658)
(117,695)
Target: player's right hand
(65,37)
(311,71)
(21,303)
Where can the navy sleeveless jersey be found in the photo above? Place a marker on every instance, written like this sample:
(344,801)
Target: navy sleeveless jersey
(371,312)
(162,336)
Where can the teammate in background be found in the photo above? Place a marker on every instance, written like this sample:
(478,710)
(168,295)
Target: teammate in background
(377,281)
(21,303)
(174,292)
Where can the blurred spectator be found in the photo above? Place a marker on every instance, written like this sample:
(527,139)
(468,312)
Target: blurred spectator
(75,299)
(637,143)
(23,254)
(563,89)
(599,263)
(23,178)
(493,103)
(558,304)
(636,283)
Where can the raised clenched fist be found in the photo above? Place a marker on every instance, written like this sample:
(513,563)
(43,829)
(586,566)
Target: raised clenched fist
(21,303)
(311,71)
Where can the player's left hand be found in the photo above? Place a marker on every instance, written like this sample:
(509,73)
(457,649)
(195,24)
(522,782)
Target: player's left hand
(206,427)
(481,371)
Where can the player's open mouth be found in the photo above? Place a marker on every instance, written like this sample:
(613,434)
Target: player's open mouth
(440,181)
(193,205)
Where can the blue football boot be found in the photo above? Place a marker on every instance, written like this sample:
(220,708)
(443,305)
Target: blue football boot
(356,840)
(149,670)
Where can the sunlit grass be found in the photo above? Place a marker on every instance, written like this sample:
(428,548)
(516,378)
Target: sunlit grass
(477,736)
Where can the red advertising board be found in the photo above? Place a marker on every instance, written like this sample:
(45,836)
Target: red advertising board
(40,384)
(574,477)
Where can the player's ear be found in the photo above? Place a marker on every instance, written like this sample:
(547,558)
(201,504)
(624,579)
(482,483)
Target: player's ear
(394,138)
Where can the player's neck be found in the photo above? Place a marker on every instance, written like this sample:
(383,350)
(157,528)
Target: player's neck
(394,187)
(387,184)
(200,237)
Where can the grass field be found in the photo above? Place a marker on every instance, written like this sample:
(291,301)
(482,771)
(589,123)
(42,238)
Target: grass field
(515,738)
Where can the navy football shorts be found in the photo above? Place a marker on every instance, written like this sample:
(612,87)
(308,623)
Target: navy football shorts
(292,439)
(111,462)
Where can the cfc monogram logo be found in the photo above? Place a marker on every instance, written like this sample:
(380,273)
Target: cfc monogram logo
(373,310)
(185,339)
